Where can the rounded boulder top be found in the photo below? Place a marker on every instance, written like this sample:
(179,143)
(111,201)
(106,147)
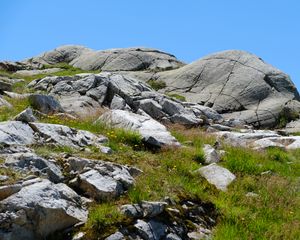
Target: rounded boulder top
(121,59)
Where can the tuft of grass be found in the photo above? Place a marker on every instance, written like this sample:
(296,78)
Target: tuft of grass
(18,105)
(157,84)
(177,96)
(104,219)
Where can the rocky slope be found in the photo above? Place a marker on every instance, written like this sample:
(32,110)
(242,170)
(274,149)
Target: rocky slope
(100,155)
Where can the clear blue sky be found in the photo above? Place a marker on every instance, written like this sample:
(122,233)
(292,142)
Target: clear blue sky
(189,29)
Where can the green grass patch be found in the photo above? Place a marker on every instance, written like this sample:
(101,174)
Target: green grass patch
(157,84)
(18,105)
(177,96)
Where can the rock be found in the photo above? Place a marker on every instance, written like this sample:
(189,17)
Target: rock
(218,176)
(15,132)
(116,236)
(234,82)
(252,195)
(6,191)
(293,127)
(172,236)
(127,59)
(33,212)
(151,230)
(152,108)
(65,136)
(5,86)
(118,103)
(45,104)
(27,162)
(25,116)
(79,236)
(36,72)
(16,95)
(145,209)
(3,178)
(153,133)
(13,66)
(210,154)
(4,103)
(100,180)
(98,186)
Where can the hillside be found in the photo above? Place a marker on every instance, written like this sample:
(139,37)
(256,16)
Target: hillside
(136,144)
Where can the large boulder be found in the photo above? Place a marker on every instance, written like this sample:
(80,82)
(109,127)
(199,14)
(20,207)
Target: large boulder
(237,84)
(153,133)
(45,104)
(39,209)
(126,59)
(15,132)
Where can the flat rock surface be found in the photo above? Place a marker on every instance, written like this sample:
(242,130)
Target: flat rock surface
(153,133)
(217,175)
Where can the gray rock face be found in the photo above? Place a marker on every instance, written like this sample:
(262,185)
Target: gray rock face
(143,210)
(211,155)
(153,133)
(5,85)
(14,132)
(127,59)
(151,230)
(234,81)
(30,162)
(50,207)
(25,116)
(65,136)
(45,104)
(36,72)
(293,127)
(98,179)
(217,175)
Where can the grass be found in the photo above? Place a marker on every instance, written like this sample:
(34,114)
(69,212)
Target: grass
(18,105)
(274,214)
(157,84)
(177,96)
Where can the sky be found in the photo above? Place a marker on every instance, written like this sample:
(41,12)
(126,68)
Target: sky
(189,29)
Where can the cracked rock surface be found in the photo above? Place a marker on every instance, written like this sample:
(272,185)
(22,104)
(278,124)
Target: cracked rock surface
(236,83)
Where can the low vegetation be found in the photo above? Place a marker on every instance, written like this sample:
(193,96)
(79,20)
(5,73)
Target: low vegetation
(157,84)
(177,96)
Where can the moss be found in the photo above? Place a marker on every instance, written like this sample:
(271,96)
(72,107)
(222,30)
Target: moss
(157,84)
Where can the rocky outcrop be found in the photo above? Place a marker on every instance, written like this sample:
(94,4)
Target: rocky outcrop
(126,59)
(98,179)
(87,94)
(39,209)
(44,103)
(167,220)
(153,133)
(237,84)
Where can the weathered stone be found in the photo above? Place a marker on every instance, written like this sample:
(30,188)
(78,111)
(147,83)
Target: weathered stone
(218,176)
(151,230)
(98,186)
(234,81)
(145,209)
(152,132)
(6,191)
(15,132)
(27,162)
(128,59)
(45,104)
(210,154)
(36,72)
(4,103)
(43,203)
(25,116)
(65,136)
(5,86)
(116,236)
